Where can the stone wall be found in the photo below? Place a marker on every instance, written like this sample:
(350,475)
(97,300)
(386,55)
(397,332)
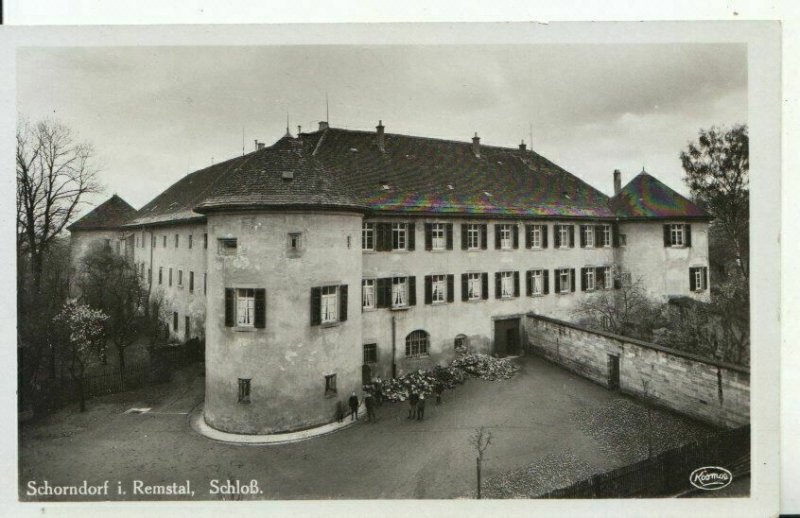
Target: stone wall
(714,392)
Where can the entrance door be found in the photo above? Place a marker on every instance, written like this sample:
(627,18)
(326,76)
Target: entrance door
(506,337)
(613,371)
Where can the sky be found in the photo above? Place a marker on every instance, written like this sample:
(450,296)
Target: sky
(154,114)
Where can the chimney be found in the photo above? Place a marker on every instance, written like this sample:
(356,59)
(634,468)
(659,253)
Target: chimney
(522,146)
(323,125)
(261,146)
(617,181)
(381,144)
(255,144)
(476,145)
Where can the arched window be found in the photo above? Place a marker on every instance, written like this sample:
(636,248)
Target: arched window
(417,343)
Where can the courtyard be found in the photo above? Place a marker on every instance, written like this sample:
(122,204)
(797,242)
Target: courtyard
(556,427)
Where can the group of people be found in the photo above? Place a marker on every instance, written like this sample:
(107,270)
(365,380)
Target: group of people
(373,397)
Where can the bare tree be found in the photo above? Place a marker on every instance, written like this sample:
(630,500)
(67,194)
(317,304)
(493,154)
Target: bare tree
(480,439)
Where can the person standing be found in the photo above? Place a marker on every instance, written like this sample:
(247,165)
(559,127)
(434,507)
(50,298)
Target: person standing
(412,401)
(421,408)
(378,392)
(369,404)
(339,411)
(353,406)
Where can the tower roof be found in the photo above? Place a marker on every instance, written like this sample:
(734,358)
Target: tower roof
(645,197)
(111,214)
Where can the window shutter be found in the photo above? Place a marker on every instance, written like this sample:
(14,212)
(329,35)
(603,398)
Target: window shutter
(428,236)
(598,235)
(497,288)
(688,234)
(412,291)
(378,229)
(450,288)
(571,236)
(615,235)
(600,277)
(528,230)
(528,283)
(343,303)
(583,279)
(428,290)
(464,287)
(705,278)
(515,235)
(692,285)
(497,237)
(557,279)
(484,236)
(572,279)
(544,235)
(485,285)
(448,229)
(617,278)
(412,233)
(261,308)
(387,236)
(316,306)
(464,230)
(546,279)
(556,236)
(666,235)
(383,295)
(516,283)
(583,235)
(230,304)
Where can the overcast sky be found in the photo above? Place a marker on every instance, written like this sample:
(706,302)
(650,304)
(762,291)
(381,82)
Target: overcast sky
(154,114)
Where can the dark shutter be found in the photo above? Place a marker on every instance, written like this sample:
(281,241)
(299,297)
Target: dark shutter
(615,235)
(448,229)
(528,283)
(688,233)
(692,285)
(464,231)
(484,236)
(528,230)
(412,291)
(546,279)
(387,236)
(261,308)
(516,283)
(378,228)
(572,279)
(485,285)
(705,278)
(666,235)
(342,302)
(230,304)
(584,280)
(497,236)
(582,236)
(384,292)
(598,236)
(556,236)
(428,290)
(515,235)
(428,236)
(544,235)
(450,288)
(412,233)
(617,279)
(557,279)
(571,236)
(464,287)
(316,306)
(600,277)
(497,281)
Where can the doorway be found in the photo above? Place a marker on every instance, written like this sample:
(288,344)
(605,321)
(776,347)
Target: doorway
(506,337)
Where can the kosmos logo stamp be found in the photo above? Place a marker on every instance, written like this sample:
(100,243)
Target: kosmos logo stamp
(710,478)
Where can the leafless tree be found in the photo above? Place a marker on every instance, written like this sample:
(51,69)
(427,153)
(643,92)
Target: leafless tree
(480,440)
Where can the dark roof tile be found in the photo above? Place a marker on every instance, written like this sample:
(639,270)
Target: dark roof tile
(647,197)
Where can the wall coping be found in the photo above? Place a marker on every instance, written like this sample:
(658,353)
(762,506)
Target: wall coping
(642,343)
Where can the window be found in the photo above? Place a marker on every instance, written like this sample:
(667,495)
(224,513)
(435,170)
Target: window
(537,282)
(177,240)
(180,278)
(294,241)
(606,236)
(698,278)
(370,353)
(330,301)
(438,236)
(563,234)
(399,292)
(191,282)
(608,277)
(535,233)
(152,241)
(623,239)
(227,246)
(677,235)
(244,390)
(205,283)
(205,241)
(474,286)
(117,247)
(170,276)
(564,280)
(368,236)
(589,279)
(245,307)
(417,344)
(160,275)
(368,294)
(587,236)
(399,236)
(330,384)
(438,288)
(473,237)
(505,238)
(506,284)
(175,321)
(164,243)
(460,342)
(190,241)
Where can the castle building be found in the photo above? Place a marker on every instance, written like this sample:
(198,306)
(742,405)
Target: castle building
(336,255)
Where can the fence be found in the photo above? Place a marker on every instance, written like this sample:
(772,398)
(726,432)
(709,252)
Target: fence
(666,473)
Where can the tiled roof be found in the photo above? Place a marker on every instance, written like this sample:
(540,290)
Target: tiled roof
(646,197)
(111,214)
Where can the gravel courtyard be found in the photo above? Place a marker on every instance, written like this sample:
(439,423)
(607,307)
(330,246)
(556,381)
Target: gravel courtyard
(544,420)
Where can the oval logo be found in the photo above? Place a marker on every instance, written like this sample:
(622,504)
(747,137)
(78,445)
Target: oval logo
(710,478)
